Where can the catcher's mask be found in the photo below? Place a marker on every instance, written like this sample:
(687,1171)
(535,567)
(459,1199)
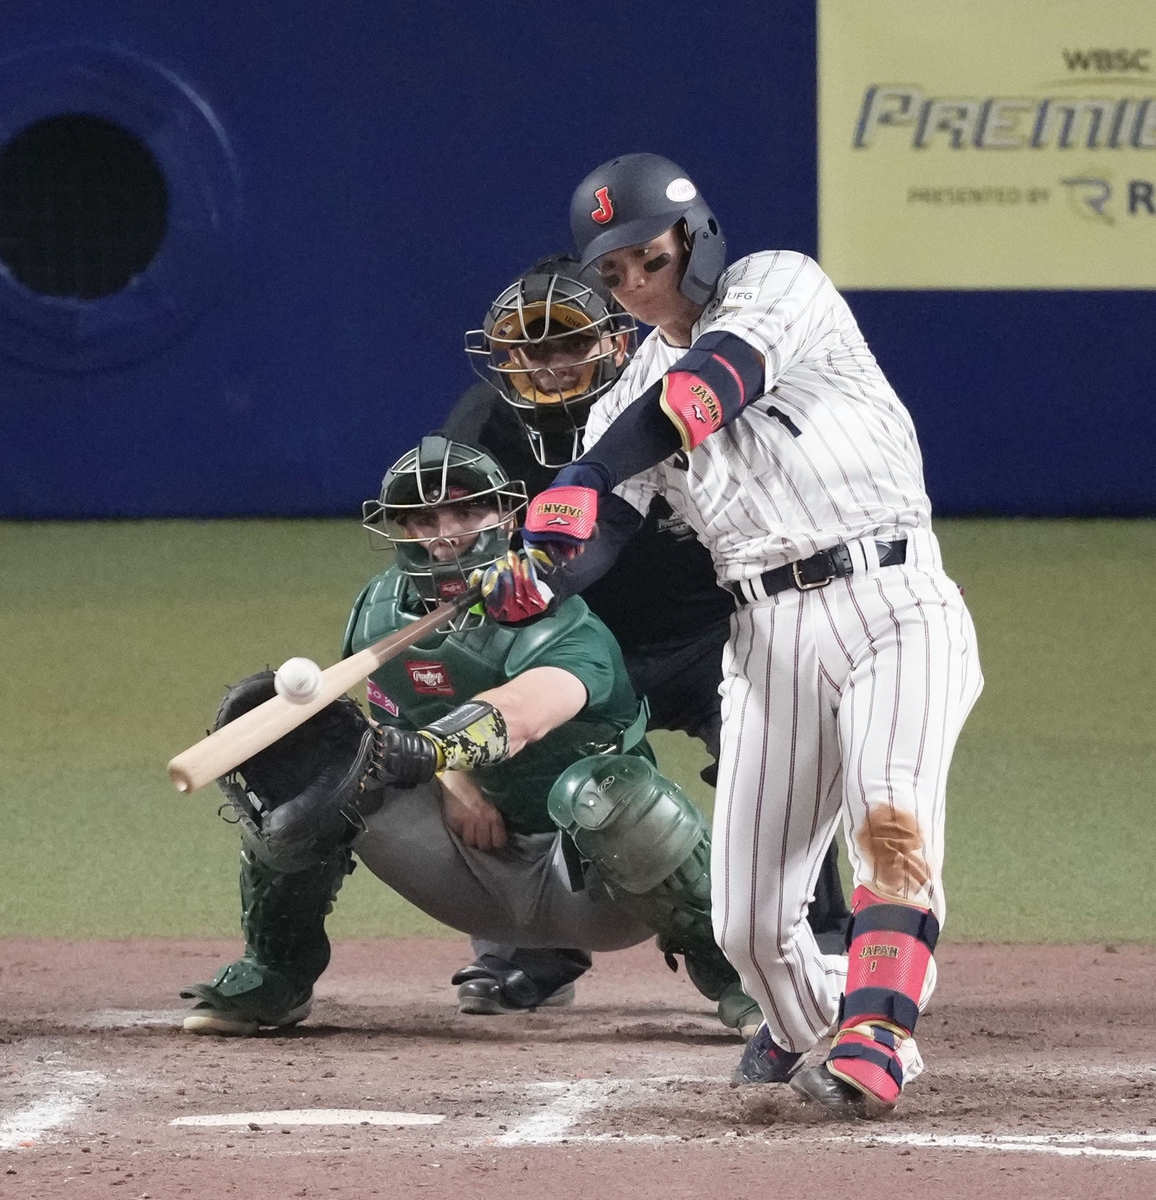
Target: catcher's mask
(552,343)
(438,475)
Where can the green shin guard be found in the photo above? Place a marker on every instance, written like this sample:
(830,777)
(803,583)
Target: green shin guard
(650,846)
(286,948)
(678,910)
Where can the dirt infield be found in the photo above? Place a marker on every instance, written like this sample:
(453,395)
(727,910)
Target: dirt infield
(1041,1082)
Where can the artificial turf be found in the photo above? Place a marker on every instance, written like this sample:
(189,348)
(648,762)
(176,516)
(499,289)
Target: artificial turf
(118,639)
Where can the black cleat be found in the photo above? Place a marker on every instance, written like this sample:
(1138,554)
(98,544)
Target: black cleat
(485,997)
(841,1099)
(530,979)
(764,1061)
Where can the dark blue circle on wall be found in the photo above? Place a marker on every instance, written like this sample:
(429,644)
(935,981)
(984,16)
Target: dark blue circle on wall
(107,259)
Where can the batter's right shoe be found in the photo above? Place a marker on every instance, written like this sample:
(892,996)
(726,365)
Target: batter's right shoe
(843,1100)
(245,998)
(528,980)
(863,1082)
(765,1061)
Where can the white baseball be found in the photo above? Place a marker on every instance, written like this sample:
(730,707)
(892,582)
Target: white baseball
(298,680)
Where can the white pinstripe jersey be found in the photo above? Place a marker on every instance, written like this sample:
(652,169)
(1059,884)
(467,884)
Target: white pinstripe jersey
(828,453)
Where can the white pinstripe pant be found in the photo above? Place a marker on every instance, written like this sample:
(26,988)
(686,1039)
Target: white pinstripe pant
(844,699)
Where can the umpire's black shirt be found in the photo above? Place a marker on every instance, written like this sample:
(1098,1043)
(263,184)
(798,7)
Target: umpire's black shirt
(661,589)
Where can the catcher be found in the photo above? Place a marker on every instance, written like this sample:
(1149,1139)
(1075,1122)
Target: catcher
(505,786)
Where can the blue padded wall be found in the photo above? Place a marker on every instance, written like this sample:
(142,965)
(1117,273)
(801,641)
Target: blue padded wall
(350,184)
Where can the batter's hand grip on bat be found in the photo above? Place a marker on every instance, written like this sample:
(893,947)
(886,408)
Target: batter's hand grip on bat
(226,748)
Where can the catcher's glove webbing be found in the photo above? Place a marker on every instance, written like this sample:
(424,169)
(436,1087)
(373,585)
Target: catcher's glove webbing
(305,794)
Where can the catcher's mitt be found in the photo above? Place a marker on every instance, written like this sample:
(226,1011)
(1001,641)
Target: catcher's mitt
(305,794)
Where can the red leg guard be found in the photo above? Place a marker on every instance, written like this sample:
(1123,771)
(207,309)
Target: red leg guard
(887,962)
(864,1056)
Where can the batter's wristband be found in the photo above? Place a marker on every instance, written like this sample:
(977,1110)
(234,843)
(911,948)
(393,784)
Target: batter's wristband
(709,385)
(565,513)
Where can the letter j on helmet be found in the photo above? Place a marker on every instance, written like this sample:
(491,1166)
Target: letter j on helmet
(605,210)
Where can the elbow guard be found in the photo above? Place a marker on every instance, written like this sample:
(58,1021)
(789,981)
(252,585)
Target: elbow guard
(472,735)
(709,386)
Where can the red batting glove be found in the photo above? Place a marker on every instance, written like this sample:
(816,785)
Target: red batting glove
(511,590)
(560,521)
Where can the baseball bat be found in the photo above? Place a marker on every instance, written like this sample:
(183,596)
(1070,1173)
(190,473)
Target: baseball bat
(226,748)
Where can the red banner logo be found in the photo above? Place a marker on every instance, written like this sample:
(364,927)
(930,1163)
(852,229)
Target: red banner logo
(430,678)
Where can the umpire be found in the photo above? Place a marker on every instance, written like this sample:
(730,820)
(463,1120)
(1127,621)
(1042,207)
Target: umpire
(552,343)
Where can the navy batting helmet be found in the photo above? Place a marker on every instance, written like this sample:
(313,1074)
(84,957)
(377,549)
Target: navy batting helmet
(636,197)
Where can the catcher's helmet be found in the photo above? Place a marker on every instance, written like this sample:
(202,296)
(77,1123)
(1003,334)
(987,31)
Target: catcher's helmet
(554,304)
(636,197)
(436,473)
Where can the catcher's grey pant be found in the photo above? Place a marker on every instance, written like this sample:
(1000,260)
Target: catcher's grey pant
(517,896)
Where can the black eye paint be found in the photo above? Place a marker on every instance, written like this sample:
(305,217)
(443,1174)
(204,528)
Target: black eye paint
(611,281)
(656,264)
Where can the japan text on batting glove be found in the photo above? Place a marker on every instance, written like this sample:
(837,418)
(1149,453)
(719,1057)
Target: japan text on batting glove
(512,591)
(563,518)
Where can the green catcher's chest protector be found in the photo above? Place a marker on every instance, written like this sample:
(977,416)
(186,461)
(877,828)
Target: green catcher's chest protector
(426,681)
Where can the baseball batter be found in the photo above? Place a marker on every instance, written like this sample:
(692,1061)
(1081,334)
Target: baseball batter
(757,409)
(488,741)
(552,342)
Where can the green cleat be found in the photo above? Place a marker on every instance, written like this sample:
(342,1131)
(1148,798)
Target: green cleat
(244,998)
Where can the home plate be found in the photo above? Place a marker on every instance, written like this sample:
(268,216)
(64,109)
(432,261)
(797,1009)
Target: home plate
(314,1116)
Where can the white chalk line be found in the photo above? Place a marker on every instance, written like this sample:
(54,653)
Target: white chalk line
(313,1116)
(574,1100)
(32,1123)
(67,1094)
(1066,1145)
(581,1098)
(67,1091)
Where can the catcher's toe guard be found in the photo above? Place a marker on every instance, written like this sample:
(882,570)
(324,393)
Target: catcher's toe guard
(216,1014)
(245,997)
(841,1099)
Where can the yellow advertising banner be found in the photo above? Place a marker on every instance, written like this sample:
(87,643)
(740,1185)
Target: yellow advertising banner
(987,144)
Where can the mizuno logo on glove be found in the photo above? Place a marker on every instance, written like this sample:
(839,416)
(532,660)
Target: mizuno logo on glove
(569,508)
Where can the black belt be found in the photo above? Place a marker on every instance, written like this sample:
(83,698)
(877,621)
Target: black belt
(818,570)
